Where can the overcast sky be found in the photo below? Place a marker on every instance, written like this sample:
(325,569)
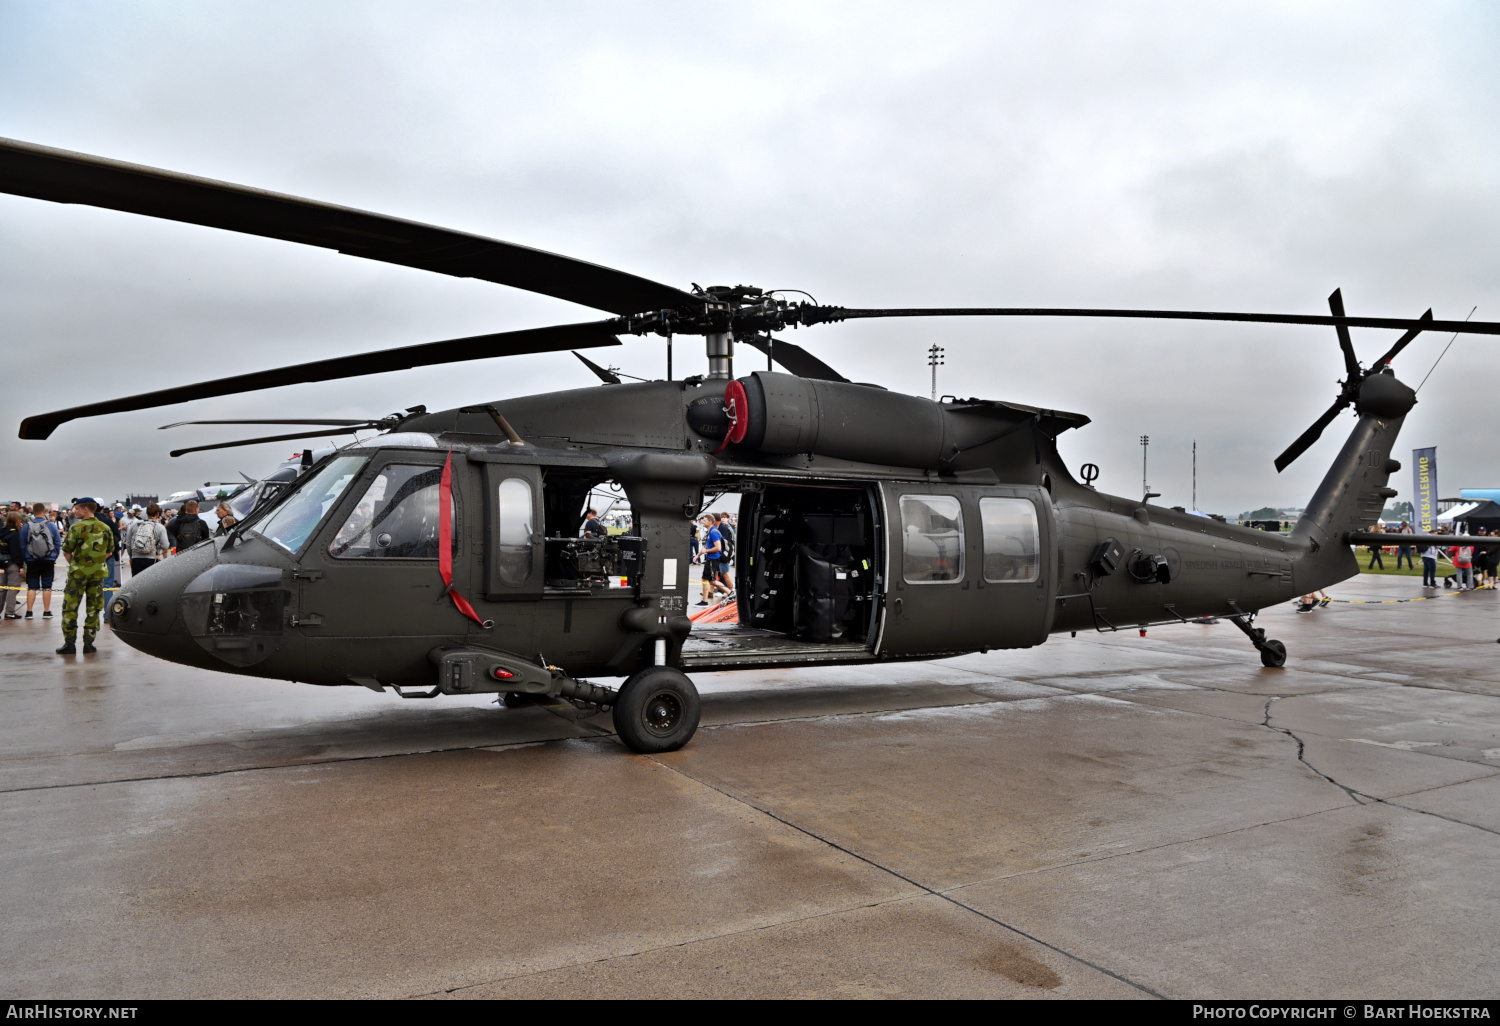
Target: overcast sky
(1229,156)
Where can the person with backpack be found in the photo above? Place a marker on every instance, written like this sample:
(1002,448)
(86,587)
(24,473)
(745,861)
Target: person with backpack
(592,528)
(715,577)
(1463,566)
(187,528)
(88,546)
(147,540)
(41,541)
(13,558)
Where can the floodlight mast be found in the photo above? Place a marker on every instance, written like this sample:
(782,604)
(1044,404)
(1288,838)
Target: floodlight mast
(1145,447)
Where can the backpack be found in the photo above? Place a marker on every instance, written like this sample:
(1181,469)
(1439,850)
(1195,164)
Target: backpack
(142,543)
(191,533)
(39,541)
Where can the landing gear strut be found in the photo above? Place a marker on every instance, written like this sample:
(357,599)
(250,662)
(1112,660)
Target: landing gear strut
(1272,652)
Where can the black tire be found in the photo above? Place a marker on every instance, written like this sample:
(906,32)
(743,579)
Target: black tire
(1273,654)
(657,711)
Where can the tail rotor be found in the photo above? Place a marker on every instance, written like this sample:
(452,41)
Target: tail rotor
(1355,377)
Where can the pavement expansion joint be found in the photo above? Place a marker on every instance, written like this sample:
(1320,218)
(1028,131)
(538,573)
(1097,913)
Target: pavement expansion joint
(686,943)
(914,883)
(296,765)
(1359,797)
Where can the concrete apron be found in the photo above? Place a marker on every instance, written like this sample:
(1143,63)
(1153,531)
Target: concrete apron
(1100,816)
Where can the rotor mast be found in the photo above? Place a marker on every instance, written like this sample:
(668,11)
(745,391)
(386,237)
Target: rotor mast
(720,345)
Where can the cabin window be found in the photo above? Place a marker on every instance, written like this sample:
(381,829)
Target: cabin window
(516,553)
(396,518)
(1011,547)
(932,542)
(291,522)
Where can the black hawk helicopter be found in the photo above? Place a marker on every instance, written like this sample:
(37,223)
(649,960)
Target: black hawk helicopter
(443,554)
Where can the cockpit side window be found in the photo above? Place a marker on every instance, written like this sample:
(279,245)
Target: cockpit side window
(292,521)
(396,518)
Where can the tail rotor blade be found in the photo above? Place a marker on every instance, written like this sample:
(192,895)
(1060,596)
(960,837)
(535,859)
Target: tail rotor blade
(1351,362)
(1402,342)
(1311,435)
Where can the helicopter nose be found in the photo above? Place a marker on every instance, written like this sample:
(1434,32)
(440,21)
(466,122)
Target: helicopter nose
(144,613)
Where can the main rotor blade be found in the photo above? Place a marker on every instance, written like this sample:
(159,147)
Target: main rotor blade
(1402,342)
(604,374)
(270,438)
(1351,362)
(794,358)
(820,315)
(60,176)
(453,350)
(1311,435)
(328,423)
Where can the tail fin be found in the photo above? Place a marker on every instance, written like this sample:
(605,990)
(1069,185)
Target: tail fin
(1354,492)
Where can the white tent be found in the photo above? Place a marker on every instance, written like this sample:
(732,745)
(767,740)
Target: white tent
(1459,510)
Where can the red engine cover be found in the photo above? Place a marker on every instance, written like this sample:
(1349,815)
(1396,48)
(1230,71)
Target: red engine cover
(738,405)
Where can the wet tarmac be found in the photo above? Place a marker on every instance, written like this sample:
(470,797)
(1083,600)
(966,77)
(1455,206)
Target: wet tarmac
(1103,816)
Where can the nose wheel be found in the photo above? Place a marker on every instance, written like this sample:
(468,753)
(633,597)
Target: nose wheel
(657,710)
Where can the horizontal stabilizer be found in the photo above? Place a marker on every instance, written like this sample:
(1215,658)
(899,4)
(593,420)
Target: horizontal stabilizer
(1440,540)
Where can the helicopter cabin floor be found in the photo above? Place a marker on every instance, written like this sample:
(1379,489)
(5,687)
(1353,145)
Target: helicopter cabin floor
(714,646)
(1101,816)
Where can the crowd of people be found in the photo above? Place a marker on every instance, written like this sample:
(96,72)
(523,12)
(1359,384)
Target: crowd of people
(94,541)
(1475,568)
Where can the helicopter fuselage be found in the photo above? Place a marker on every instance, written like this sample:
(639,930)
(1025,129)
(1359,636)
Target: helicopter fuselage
(992,545)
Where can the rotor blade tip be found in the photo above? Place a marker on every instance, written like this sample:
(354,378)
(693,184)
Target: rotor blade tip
(36,429)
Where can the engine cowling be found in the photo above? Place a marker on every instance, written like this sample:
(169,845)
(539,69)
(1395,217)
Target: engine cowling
(784,414)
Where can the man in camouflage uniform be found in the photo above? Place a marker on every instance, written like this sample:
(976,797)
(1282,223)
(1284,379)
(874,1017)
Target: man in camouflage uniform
(88,546)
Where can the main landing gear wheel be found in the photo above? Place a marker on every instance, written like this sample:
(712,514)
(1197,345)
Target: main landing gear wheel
(1273,653)
(657,711)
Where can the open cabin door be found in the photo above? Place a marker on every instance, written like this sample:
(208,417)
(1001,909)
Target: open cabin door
(968,567)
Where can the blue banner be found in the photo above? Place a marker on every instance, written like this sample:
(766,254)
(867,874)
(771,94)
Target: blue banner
(1424,489)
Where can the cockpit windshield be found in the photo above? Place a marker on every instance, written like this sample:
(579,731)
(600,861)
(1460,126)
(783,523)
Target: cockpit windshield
(293,520)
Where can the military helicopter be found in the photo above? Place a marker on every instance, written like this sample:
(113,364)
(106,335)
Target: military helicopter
(442,555)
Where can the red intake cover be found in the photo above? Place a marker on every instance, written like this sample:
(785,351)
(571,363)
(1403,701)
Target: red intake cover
(738,405)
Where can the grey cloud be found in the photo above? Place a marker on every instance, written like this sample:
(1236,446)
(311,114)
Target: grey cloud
(1232,156)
